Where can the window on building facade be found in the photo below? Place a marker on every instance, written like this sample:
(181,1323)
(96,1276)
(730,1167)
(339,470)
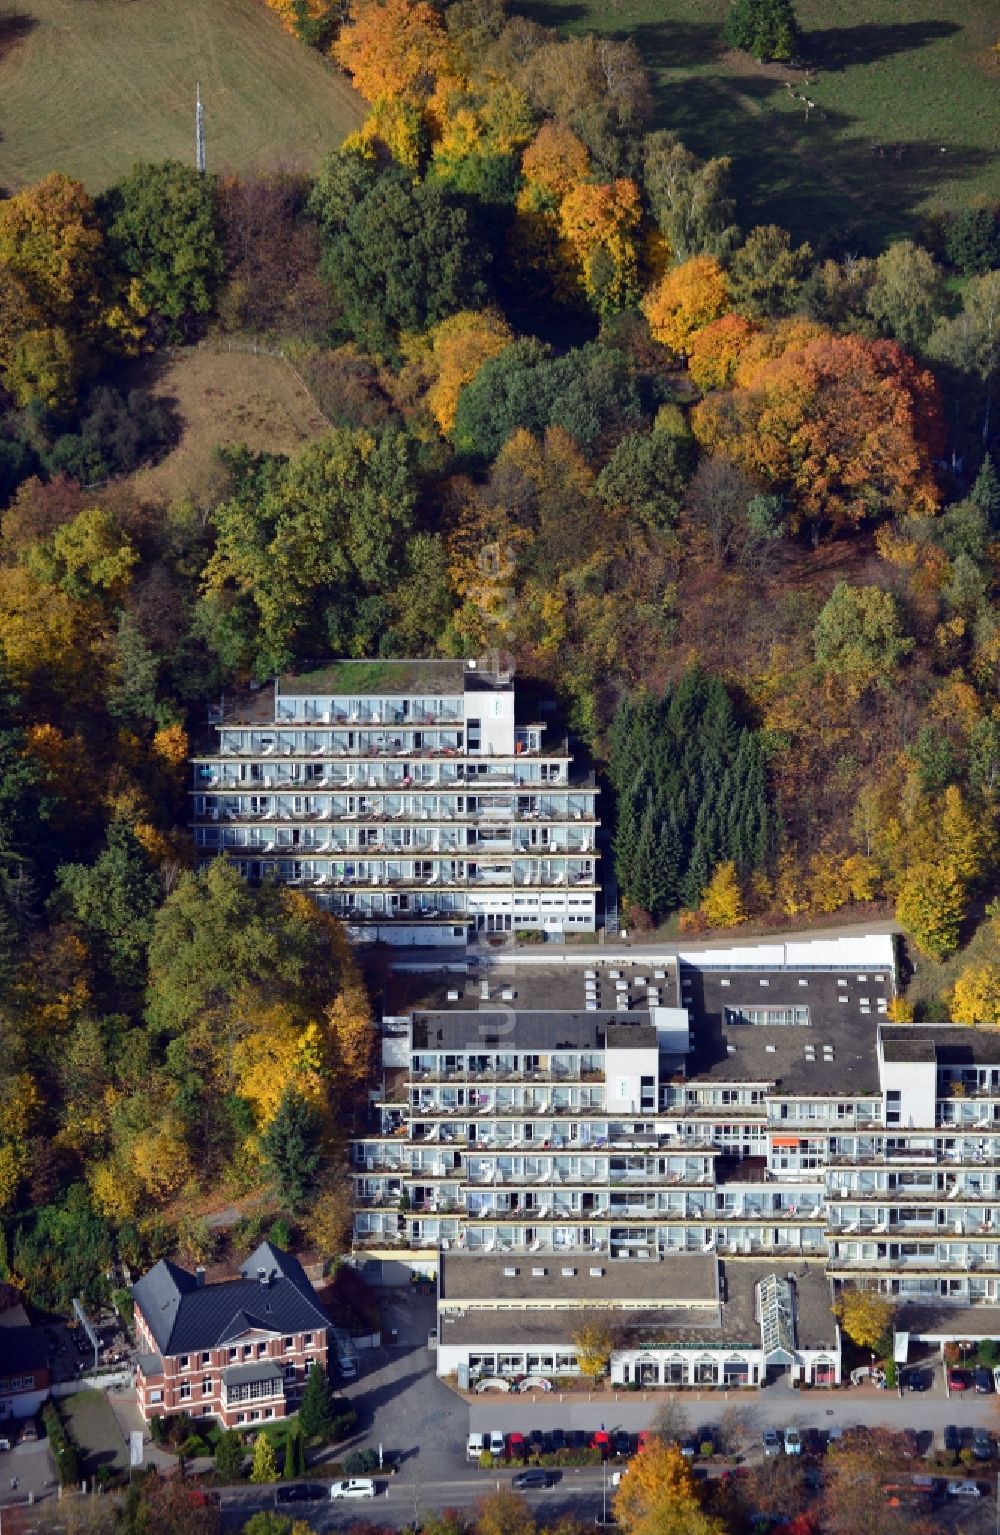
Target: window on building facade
(185,1361)
(185,1390)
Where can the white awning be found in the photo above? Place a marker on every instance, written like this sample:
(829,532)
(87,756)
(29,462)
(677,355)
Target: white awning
(900,1347)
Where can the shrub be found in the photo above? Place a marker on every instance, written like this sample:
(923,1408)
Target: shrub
(706,1449)
(486,1460)
(988,1353)
(342,1424)
(360,1462)
(64,1453)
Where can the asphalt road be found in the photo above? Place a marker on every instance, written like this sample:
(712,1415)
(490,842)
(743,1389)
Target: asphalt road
(405,1497)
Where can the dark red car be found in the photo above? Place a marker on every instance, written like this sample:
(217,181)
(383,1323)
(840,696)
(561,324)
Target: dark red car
(958,1380)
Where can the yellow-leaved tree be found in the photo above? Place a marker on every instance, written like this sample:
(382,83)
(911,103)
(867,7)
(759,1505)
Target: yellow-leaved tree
(593,1342)
(599,224)
(865,1315)
(976,997)
(459,347)
(722,899)
(688,298)
(658,1495)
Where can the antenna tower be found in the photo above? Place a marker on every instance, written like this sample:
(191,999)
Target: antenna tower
(199,131)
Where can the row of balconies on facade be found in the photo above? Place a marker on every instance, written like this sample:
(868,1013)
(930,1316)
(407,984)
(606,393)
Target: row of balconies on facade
(415,851)
(376,810)
(418,777)
(659,1205)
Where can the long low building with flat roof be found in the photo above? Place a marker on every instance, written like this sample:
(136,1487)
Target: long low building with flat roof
(688,1320)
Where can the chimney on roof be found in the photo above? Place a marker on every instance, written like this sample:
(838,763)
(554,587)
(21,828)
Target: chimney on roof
(262,1276)
(199,1277)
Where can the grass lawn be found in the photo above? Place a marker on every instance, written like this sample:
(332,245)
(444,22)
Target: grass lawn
(91,86)
(906,115)
(94,1427)
(222,399)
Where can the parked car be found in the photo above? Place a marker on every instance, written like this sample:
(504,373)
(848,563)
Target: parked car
(517,1447)
(983,1380)
(577,1439)
(964,1490)
(298,1492)
(646,1437)
(347,1368)
(621,1441)
(705,1435)
(834,1436)
(812,1441)
(498,1444)
(771,1440)
(689,1448)
(538,1442)
(918,1380)
(982,1444)
(601,1441)
(357,1487)
(793,1441)
(535,1477)
(475,1445)
(5,1444)
(958,1380)
(557,1439)
(952,1439)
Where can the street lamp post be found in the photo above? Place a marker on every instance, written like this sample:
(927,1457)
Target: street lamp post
(604,1468)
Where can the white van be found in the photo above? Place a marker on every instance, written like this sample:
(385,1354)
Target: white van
(474,1446)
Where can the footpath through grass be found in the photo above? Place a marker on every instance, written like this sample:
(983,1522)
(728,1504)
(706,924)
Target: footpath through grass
(91,86)
(906,115)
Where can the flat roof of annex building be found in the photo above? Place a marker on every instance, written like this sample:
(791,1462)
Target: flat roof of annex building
(454,987)
(495,1029)
(945,1044)
(471,1279)
(834,1052)
(729,1319)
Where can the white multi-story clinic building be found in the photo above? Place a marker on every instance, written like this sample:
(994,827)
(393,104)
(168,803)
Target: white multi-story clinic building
(408,796)
(698,1146)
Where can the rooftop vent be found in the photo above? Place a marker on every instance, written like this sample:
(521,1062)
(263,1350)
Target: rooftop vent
(538,1273)
(453,996)
(730,1049)
(568,1273)
(597,1273)
(199,1276)
(262,1276)
(771,1049)
(510,1273)
(725,981)
(484,991)
(507,993)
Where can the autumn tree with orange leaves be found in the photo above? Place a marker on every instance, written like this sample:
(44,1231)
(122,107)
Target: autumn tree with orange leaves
(393,48)
(848,428)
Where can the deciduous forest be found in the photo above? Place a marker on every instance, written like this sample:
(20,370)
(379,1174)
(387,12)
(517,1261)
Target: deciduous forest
(729,499)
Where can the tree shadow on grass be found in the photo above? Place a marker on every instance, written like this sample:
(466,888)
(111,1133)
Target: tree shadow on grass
(677,44)
(820,178)
(13,29)
(552,13)
(836,48)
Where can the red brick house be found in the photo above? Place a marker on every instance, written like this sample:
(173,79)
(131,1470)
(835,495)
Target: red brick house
(239,1351)
(24,1371)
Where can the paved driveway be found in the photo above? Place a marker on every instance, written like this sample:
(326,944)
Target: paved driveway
(402,1404)
(32,1466)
